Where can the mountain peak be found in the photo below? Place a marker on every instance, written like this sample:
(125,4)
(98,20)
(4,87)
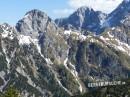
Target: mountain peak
(36,12)
(5,25)
(85,8)
(85,18)
(34,21)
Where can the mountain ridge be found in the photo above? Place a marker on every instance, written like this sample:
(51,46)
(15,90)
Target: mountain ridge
(114,18)
(84,18)
(41,59)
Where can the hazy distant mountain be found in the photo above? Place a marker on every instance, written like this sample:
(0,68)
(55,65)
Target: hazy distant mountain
(83,19)
(121,15)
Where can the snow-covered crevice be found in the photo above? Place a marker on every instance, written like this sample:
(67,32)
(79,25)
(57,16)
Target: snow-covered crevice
(41,90)
(63,86)
(7,33)
(36,42)
(49,63)
(2,75)
(73,72)
(23,73)
(7,58)
(55,75)
(12,55)
(116,43)
(28,40)
(59,82)
(76,35)
(3,86)
(29,80)
(33,66)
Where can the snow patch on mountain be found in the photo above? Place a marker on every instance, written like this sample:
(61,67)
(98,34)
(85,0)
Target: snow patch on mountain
(36,43)
(118,45)
(76,34)
(23,73)
(73,72)
(7,58)
(48,61)
(2,75)
(28,40)
(24,39)
(7,31)
(59,82)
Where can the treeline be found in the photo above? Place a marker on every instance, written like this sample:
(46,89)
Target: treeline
(10,92)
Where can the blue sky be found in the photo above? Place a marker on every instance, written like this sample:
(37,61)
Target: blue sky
(13,10)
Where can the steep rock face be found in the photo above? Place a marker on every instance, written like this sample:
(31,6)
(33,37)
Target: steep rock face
(35,64)
(83,19)
(96,60)
(88,59)
(24,66)
(42,60)
(39,26)
(34,22)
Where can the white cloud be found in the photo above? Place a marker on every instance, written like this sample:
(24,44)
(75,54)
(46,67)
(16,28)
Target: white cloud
(63,12)
(102,5)
(99,5)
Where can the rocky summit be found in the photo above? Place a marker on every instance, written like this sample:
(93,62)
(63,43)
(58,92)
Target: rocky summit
(45,58)
(82,19)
